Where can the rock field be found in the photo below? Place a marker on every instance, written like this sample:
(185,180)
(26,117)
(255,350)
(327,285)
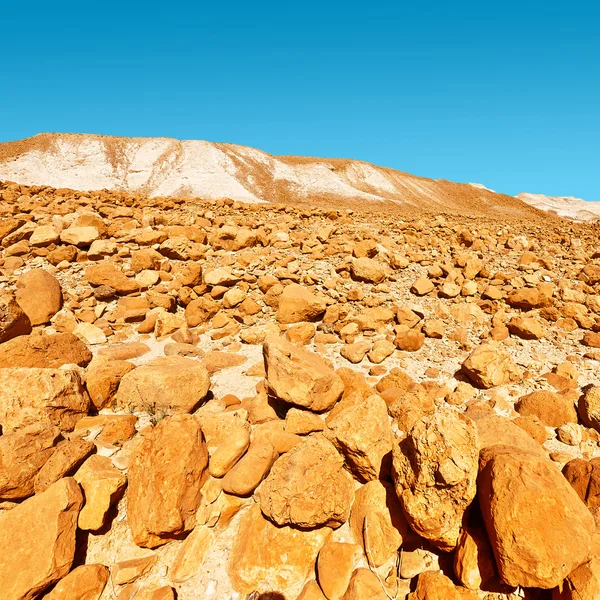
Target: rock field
(226,401)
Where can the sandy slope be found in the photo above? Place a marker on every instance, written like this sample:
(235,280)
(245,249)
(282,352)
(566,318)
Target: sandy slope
(168,167)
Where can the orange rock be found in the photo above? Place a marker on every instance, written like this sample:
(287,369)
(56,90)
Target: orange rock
(102,485)
(86,582)
(335,564)
(377,520)
(490,365)
(130,570)
(165,478)
(102,381)
(67,456)
(297,304)
(105,273)
(552,409)
(22,455)
(191,554)
(38,540)
(39,295)
(300,377)
(364,584)
(361,432)
(539,528)
(473,560)
(265,557)
(308,486)
(51,396)
(433,585)
(251,469)
(13,320)
(172,382)
(39,350)
(435,473)
(409,341)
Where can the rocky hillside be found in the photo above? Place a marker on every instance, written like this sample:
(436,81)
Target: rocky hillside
(224,401)
(167,167)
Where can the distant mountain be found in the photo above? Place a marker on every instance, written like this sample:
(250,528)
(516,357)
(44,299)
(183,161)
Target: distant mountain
(564,206)
(168,167)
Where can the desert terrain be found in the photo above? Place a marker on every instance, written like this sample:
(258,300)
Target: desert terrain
(237,389)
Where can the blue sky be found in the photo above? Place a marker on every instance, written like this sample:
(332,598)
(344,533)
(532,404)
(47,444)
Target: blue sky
(502,93)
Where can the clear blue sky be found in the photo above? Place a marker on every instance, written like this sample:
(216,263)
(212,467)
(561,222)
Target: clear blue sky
(502,93)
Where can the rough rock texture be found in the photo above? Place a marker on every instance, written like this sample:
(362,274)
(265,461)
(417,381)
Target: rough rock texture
(297,304)
(473,560)
(38,540)
(13,320)
(552,409)
(300,377)
(22,455)
(164,481)
(589,407)
(86,582)
(538,527)
(490,365)
(378,522)
(52,396)
(581,584)
(174,382)
(39,295)
(102,485)
(335,564)
(44,351)
(308,486)
(364,584)
(269,558)
(435,473)
(361,432)
(102,381)
(432,585)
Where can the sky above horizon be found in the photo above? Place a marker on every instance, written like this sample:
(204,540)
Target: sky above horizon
(505,94)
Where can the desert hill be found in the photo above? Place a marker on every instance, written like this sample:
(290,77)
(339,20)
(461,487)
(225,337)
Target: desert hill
(167,167)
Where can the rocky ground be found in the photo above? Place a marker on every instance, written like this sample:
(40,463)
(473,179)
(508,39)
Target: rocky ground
(226,401)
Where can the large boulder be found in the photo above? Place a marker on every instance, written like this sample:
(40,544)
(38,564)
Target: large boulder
(105,273)
(378,522)
(581,584)
(44,351)
(552,409)
(297,304)
(102,381)
(164,479)
(22,455)
(39,294)
(368,270)
(588,407)
(50,396)
(584,477)
(539,528)
(265,557)
(171,383)
(13,320)
(86,582)
(102,485)
(300,377)
(361,432)
(435,473)
(433,585)
(489,365)
(308,486)
(37,539)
